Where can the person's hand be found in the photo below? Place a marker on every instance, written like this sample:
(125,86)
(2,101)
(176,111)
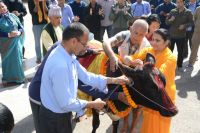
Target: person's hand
(137,63)
(113,63)
(181,27)
(172,18)
(100,12)
(76,18)
(117,10)
(16,13)
(35,9)
(121,80)
(167,15)
(127,60)
(125,12)
(122,98)
(98,104)
(90,11)
(14,34)
(152,6)
(162,13)
(97,51)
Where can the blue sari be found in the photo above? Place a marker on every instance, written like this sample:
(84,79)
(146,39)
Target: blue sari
(11,49)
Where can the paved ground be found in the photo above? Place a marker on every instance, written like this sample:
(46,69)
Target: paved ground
(188,98)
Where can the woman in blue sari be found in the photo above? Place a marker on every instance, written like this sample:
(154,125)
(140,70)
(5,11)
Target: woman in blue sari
(11,43)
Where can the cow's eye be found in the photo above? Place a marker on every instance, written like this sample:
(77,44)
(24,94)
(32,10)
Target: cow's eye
(159,82)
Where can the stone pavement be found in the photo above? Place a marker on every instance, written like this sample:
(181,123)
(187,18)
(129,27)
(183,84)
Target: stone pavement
(188,98)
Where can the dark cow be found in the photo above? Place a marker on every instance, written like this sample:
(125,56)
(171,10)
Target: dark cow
(147,88)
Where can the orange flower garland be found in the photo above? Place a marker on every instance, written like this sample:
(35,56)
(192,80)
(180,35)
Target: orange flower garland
(110,104)
(130,101)
(121,114)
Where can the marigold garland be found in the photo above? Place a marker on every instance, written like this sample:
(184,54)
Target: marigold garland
(128,97)
(121,114)
(110,104)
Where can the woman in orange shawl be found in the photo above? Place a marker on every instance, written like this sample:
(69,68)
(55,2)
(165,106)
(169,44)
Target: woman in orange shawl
(153,122)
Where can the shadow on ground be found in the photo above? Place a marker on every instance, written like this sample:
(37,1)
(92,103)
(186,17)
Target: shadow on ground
(3,88)
(188,83)
(24,126)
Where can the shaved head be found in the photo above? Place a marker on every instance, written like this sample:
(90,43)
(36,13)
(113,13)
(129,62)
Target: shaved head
(138,31)
(142,24)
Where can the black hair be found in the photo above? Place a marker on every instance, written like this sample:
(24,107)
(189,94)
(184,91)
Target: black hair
(74,30)
(153,18)
(130,23)
(6,119)
(144,17)
(163,33)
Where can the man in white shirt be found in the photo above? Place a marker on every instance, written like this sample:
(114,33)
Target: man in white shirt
(128,42)
(60,81)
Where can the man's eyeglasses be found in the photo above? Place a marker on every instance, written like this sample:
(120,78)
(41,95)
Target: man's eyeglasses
(83,44)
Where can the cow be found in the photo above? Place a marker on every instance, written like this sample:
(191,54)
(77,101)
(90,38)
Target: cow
(147,88)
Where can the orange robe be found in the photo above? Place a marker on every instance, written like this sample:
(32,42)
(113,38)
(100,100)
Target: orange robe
(153,122)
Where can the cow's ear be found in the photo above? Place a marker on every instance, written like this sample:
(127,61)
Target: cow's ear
(162,77)
(127,71)
(150,58)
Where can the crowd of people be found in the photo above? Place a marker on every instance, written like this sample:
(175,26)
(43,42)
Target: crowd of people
(61,32)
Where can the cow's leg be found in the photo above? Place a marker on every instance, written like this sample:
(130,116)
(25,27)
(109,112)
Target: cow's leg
(136,121)
(124,128)
(115,126)
(95,120)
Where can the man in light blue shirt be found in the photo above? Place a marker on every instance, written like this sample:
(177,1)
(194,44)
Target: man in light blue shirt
(140,8)
(67,14)
(60,82)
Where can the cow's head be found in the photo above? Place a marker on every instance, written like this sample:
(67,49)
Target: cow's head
(148,87)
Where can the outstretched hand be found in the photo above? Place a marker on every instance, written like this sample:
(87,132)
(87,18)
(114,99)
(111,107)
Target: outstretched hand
(97,51)
(137,63)
(121,80)
(113,63)
(98,104)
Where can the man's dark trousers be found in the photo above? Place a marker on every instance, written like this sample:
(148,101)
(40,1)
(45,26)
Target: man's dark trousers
(51,122)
